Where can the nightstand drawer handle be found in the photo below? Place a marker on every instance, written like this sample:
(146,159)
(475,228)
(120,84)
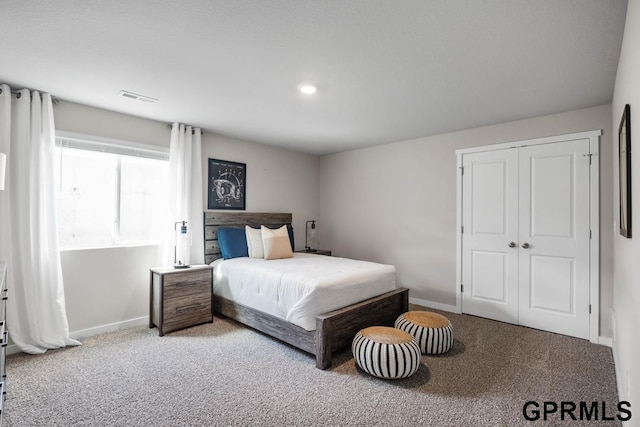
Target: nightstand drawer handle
(188,308)
(186,284)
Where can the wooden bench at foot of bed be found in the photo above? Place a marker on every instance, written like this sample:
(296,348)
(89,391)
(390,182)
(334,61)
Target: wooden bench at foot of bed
(334,330)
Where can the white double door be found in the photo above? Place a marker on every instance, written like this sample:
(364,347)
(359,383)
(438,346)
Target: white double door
(525,238)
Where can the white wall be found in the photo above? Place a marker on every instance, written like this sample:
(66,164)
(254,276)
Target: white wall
(626,274)
(80,118)
(396,203)
(278,180)
(108,288)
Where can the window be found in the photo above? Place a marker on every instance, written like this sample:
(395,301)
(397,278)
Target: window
(109,193)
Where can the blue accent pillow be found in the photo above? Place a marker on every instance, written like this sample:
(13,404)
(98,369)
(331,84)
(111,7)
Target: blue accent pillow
(291,238)
(233,242)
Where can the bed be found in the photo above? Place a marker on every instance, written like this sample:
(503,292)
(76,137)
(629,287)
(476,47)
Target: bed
(319,334)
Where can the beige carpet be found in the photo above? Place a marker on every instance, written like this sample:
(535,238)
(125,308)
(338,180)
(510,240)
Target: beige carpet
(223,374)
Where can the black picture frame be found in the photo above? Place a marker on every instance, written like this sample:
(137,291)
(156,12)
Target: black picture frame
(227,185)
(624,154)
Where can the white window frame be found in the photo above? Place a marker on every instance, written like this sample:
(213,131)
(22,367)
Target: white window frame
(117,147)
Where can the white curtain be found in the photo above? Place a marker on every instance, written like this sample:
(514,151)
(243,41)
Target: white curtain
(185,194)
(36,314)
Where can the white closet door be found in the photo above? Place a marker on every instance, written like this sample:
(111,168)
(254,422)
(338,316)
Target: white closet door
(554,237)
(490,219)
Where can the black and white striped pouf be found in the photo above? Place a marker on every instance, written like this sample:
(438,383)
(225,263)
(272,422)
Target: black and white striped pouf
(432,331)
(386,352)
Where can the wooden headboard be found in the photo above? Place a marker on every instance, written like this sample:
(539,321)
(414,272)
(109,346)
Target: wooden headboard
(214,220)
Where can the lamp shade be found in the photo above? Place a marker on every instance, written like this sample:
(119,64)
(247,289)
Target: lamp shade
(180,251)
(311,237)
(3,168)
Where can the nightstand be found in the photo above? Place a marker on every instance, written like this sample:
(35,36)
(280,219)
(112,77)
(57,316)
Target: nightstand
(317,252)
(180,297)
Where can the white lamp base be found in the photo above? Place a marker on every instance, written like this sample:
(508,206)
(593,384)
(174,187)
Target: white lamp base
(181,266)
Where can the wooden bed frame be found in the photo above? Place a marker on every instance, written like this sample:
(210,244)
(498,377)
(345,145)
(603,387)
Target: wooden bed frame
(334,330)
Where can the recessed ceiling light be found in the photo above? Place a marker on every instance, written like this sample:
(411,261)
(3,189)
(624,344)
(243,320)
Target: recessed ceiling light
(307,88)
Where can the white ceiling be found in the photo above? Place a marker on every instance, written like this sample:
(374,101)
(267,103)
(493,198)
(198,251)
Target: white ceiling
(386,70)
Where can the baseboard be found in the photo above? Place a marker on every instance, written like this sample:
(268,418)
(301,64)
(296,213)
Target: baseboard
(605,341)
(85,333)
(12,349)
(620,380)
(436,305)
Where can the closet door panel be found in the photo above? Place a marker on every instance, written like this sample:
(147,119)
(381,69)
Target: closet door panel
(490,216)
(554,237)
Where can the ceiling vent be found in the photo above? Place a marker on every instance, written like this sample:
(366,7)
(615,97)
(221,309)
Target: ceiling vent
(131,95)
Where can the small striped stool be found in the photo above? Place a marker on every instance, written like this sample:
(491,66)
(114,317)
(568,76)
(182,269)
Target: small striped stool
(432,331)
(386,352)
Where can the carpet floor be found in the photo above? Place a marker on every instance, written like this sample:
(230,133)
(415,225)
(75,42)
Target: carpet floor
(223,374)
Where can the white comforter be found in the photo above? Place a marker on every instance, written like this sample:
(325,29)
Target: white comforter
(299,288)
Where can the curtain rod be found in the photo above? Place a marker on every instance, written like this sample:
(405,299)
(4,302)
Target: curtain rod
(18,93)
(193,131)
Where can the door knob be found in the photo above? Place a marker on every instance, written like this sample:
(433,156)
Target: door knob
(512,245)
(525,245)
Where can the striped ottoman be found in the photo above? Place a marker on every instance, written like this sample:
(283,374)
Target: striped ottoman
(386,352)
(432,331)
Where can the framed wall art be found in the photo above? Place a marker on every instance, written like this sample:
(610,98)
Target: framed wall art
(624,151)
(227,185)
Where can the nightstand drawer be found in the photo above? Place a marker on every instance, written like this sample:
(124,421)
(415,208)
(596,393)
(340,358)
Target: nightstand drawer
(3,390)
(3,304)
(187,307)
(185,322)
(182,284)
(3,359)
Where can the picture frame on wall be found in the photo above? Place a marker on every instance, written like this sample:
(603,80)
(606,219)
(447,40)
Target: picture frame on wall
(624,152)
(227,185)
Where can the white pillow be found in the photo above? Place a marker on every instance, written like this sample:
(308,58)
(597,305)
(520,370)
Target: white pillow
(276,243)
(254,242)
